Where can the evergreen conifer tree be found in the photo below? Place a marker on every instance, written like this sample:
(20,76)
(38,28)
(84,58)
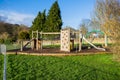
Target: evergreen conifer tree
(54,21)
(39,22)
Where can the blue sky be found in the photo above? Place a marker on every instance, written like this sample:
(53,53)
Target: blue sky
(24,11)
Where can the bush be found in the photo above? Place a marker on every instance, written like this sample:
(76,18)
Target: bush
(23,35)
(7,41)
(1,41)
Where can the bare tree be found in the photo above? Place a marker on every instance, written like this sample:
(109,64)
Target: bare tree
(107,14)
(83,29)
(84,26)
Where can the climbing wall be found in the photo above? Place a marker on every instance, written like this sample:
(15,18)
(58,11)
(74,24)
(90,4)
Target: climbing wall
(65,40)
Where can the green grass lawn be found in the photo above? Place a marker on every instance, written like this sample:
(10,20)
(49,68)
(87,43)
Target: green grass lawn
(91,67)
(12,46)
(1,66)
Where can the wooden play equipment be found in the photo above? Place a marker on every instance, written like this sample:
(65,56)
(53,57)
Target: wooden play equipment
(67,40)
(37,42)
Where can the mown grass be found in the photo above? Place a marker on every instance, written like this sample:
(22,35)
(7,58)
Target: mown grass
(1,66)
(51,46)
(12,46)
(91,67)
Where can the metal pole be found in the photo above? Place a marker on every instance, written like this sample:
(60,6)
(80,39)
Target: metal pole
(4,71)
(3,51)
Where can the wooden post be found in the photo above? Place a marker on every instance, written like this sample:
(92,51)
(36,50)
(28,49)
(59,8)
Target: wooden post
(106,41)
(32,43)
(37,40)
(21,49)
(41,41)
(80,41)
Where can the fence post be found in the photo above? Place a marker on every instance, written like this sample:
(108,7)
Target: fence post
(3,51)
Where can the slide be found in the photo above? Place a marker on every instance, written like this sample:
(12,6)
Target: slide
(28,43)
(102,49)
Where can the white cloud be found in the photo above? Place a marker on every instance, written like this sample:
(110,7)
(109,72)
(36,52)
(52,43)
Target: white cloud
(16,18)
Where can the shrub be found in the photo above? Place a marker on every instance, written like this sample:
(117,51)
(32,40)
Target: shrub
(23,35)
(1,41)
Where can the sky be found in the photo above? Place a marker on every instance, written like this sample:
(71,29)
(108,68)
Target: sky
(24,11)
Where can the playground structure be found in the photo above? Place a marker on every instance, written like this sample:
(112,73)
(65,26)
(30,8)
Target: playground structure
(67,40)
